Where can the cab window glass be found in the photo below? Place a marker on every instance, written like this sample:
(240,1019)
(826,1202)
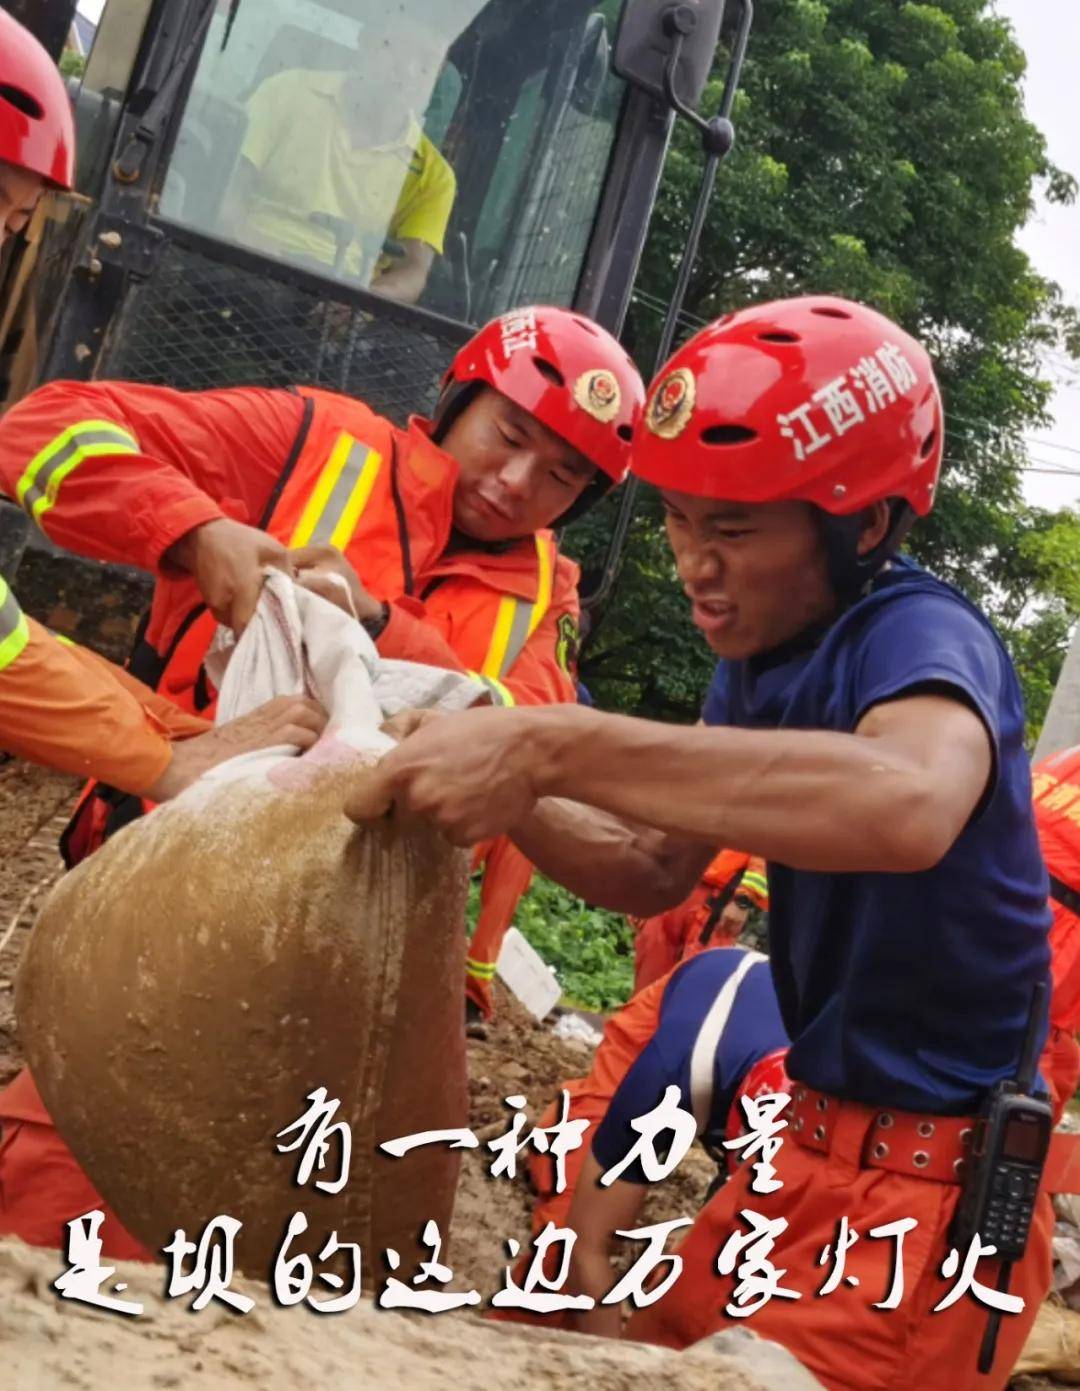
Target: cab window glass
(449,153)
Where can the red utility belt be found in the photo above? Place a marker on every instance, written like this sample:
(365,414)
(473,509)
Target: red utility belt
(920,1146)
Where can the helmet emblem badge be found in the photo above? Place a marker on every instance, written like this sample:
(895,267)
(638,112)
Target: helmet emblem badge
(597,393)
(672,404)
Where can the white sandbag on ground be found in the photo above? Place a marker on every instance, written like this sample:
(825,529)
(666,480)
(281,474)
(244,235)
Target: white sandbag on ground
(189,985)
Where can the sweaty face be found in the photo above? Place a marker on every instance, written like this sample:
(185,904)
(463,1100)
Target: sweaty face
(515,475)
(19,193)
(755,574)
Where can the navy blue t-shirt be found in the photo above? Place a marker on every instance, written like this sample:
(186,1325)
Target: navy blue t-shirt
(909,990)
(753,1030)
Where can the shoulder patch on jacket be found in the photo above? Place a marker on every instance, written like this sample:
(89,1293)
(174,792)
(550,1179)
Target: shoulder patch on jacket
(568,643)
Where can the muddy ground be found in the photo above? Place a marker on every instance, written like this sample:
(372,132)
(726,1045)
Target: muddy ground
(515,1056)
(33,811)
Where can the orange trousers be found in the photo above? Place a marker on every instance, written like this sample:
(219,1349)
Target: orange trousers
(840,1337)
(42,1186)
(507,875)
(1060,1064)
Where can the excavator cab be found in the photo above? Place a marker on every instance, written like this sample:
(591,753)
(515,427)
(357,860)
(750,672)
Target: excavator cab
(253,175)
(495,132)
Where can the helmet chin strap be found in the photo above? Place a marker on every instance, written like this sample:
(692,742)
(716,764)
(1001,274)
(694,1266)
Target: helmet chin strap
(850,573)
(452,401)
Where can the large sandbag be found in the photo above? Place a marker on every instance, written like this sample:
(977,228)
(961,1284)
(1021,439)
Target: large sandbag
(189,985)
(1053,1345)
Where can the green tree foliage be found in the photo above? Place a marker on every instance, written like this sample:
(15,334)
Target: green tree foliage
(72,64)
(883,154)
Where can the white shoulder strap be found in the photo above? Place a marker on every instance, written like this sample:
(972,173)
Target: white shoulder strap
(703,1058)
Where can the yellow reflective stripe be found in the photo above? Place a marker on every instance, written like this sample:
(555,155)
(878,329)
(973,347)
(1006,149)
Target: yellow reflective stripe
(14,629)
(320,494)
(68,642)
(340,495)
(518,619)
(500,637)
(357,501)
(750,880)
(543,589)
(36,490)
(481,970)
(498,692)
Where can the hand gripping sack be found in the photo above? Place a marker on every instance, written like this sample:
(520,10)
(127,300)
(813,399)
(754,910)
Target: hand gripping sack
(191,984)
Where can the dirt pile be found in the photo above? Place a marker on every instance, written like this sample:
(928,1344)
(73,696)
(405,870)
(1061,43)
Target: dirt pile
(63,1345)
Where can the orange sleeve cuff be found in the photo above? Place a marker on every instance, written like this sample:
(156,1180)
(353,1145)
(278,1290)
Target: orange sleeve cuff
(68,709)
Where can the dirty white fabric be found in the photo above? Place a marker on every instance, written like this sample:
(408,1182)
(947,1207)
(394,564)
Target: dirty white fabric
(298,643)
(571,1028)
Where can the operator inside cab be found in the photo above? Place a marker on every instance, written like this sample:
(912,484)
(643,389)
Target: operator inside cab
(335,171)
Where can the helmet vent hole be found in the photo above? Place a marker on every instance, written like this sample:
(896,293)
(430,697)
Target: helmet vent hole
(584,323)
(22,101)
(625,432)
(828,312)
(778,337)
(928,445)
(549,370)
(728,434)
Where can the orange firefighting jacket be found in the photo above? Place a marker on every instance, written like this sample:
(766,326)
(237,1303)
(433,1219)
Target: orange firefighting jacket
(661,942)
(1056,791)
(120,471)
(71,710)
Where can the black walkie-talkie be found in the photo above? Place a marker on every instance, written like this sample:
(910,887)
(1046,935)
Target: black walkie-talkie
(1005,1166)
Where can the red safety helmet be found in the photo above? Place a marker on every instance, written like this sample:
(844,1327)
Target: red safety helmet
(568,372)
(815,399)
(37,131)
(767,1077)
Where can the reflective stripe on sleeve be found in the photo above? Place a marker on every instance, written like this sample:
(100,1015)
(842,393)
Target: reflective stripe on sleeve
(755,884)
(498,692)
(14,629)
(37,489)
(480,970)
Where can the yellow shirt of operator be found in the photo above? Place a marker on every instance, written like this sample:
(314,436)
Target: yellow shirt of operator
(306,163)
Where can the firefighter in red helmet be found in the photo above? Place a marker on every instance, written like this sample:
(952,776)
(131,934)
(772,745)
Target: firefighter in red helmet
(442,532)
(37,133)
(863,733)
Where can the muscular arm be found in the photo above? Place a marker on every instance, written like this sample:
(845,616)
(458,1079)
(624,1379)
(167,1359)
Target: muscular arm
(890,798)
(608,860)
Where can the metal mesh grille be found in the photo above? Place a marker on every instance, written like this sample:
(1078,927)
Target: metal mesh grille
(199,323)
(543,259)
